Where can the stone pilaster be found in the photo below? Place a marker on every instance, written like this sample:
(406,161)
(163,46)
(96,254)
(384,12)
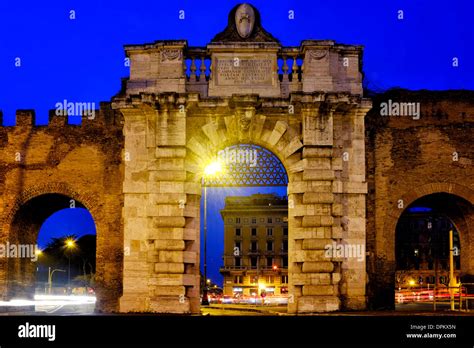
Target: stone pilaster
(161,268)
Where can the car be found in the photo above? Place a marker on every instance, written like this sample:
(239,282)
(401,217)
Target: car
(227,299)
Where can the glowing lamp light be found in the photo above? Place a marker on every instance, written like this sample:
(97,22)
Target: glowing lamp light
(262,286)
(70,243)
(213,168)
(411,282)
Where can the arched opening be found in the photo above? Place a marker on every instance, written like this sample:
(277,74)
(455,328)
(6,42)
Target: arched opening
(422,249)
(60,232)
(244,229)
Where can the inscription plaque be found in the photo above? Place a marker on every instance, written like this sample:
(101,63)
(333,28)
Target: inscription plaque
(244,72)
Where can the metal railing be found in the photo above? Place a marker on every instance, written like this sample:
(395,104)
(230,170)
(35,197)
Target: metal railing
(460,297)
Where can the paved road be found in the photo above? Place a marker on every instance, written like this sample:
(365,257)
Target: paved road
(425,306)
(228,312)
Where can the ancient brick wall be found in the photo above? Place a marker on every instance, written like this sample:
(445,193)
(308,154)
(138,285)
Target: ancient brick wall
(408,158)
(43,168)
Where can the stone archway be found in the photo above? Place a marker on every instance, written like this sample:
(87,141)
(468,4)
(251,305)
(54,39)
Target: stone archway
(312,118)
(21,224)
(409,197)
(384,280)
(206,144)
(168,144)
(425,190)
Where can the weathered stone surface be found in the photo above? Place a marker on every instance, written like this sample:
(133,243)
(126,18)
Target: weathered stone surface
(138,169)
(409,159)
(311,304)
(318,290)
(43,169)
(317,267)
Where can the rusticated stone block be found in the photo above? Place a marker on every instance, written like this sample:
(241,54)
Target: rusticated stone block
(319,290)
(169,267)
(315,304)
(161,244)
(318,267)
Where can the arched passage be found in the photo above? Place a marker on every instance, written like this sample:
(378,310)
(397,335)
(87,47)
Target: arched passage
(175,138)
(248,234)
(49,197)
(422,241)
(24,230)
(420,246)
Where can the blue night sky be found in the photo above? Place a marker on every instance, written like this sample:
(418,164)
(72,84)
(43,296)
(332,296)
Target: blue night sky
(83,59)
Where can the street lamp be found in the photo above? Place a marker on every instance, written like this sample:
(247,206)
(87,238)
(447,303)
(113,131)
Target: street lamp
(70,244)
(211,170)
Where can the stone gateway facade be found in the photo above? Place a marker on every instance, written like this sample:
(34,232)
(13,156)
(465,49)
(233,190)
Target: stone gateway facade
(138,168)
(176,121)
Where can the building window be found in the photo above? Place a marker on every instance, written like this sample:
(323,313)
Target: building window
(269,220)
(238,279)
(285,262)
(269,279)
(284,246)
(269,231)
(285,231)
(237,220)
(237,261)
(269,246)
(284,279)
(237,232)
(269,261)
(237,248)
(254,220)
(254,232)
(254,246)
(253,262)
(253,279)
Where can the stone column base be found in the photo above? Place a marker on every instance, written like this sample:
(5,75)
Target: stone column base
(159,304)
(133,303)
(355,303)
(314,304)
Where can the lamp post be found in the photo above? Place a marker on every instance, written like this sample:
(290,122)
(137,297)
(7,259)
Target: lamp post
(70,245)
(452,279)
(209,171)
(205,300)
